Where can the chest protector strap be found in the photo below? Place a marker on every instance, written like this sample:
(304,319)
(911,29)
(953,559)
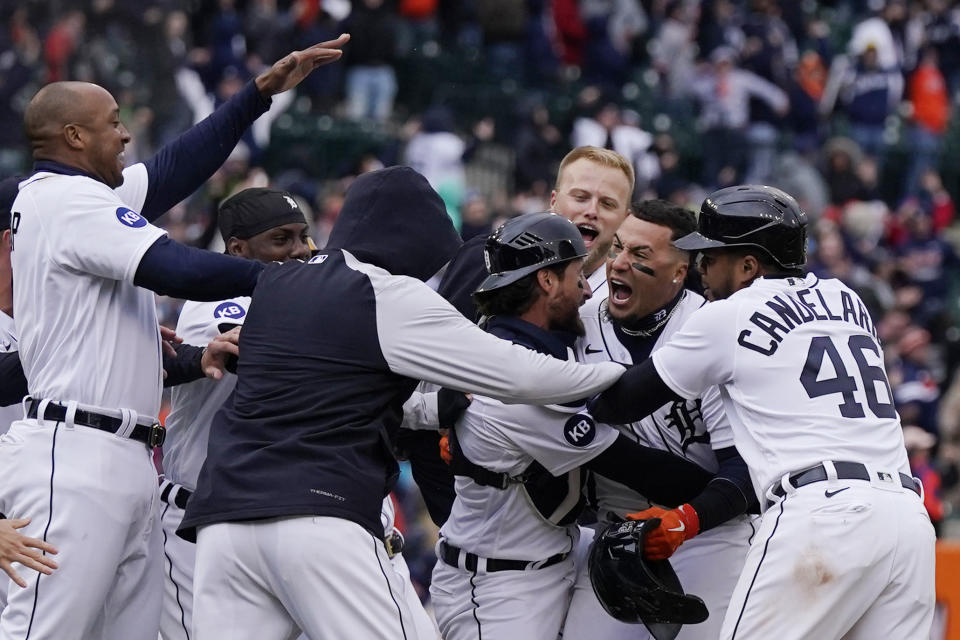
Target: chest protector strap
(558,500)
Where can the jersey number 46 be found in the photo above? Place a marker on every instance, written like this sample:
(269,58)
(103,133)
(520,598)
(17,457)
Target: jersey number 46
(843,383)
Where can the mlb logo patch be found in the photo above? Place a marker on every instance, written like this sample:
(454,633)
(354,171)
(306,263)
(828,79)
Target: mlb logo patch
(885,477)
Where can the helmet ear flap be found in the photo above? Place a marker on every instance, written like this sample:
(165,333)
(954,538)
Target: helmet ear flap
(634,589)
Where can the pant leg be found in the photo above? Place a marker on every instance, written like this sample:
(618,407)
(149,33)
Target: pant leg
(179,557)
(504,605)
(426,627)
(88,493)
(905,608)
(334,578)
(817,564)
(231,598)
(133,605)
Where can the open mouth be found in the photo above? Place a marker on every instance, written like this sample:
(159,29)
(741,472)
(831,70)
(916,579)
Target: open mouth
(620,292)
(588,232)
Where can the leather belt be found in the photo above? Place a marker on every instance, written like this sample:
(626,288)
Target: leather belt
(451,555)
(151,435)
(180,494)
(845,471)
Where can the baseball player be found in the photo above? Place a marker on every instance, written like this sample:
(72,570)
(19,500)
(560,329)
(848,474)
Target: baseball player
(647,304)
(8,334)
(257,224)
(311,463)
(844,548)
(505,567)
(593,191)
(85,264)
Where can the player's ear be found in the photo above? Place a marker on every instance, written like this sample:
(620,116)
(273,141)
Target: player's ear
(73,136)
(546,279)
(235,246)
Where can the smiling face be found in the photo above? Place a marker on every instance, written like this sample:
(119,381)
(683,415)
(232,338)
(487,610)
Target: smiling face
(644,270)
(102,135)
(595,197)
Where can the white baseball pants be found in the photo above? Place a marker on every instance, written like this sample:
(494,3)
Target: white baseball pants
(93,495)
(501,605)
(270,579)
(856,565)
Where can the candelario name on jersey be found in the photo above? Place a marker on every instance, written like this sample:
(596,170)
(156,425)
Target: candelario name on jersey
(788,310)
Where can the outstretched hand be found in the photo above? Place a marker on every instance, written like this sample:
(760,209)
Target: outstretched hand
(217,356)
(289,71)
(16,547)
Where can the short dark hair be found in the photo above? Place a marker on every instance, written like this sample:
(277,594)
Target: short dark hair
(515,298)
(679,220)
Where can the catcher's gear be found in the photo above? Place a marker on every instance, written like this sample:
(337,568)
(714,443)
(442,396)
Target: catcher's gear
(676,527)
(633,589)
(526,244)
(752,216)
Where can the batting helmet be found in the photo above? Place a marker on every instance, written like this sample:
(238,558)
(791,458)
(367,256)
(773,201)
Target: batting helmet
(526,244)
(634,589)
(752,216)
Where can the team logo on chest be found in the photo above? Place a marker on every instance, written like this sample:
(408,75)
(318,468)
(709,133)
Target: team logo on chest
(229,310)
(130,218)
(580,430)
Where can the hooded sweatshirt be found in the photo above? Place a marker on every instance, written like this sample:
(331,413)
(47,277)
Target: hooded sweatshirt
(330,350)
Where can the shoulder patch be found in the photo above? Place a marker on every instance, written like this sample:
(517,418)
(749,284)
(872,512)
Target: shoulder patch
(320,258)
(580,430)
(130,218)
(229,310)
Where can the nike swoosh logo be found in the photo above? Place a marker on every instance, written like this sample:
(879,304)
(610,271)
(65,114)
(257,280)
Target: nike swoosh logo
(588,350)
(682,527)
(830,494)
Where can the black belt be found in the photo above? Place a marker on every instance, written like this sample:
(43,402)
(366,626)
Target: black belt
(151,435)
(451,555)
(845,471)
(180,498)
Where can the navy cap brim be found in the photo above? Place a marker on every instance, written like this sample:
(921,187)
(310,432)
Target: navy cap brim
(696,242)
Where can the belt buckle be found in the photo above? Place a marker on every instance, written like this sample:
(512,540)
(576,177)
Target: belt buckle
(157,435)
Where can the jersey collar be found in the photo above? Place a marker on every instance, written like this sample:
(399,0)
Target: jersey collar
(551,343)
(52,166)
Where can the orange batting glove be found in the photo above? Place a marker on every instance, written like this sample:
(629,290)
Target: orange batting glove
(445,453)
(676,526)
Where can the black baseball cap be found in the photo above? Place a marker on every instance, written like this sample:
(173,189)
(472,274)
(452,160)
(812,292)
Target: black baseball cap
(256,210)
(8,193)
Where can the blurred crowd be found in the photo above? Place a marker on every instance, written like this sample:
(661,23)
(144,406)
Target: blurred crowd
(849,105)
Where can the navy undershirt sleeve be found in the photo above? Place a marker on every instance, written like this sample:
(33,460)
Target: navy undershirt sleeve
(181,166)
(13,382)
(729,494)
(639,392)
(172,269)
(659,475)
(185,367)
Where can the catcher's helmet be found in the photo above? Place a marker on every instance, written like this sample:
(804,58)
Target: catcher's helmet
(526,244)
(752,216)
(634,589)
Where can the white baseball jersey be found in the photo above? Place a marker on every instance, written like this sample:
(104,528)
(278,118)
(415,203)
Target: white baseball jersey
(598,285)
(194,404)
(691,429)
(801,374)
(86,332)
(8,344)
(495,523)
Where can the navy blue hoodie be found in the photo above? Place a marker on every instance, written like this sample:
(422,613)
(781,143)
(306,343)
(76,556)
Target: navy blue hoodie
(308,428)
